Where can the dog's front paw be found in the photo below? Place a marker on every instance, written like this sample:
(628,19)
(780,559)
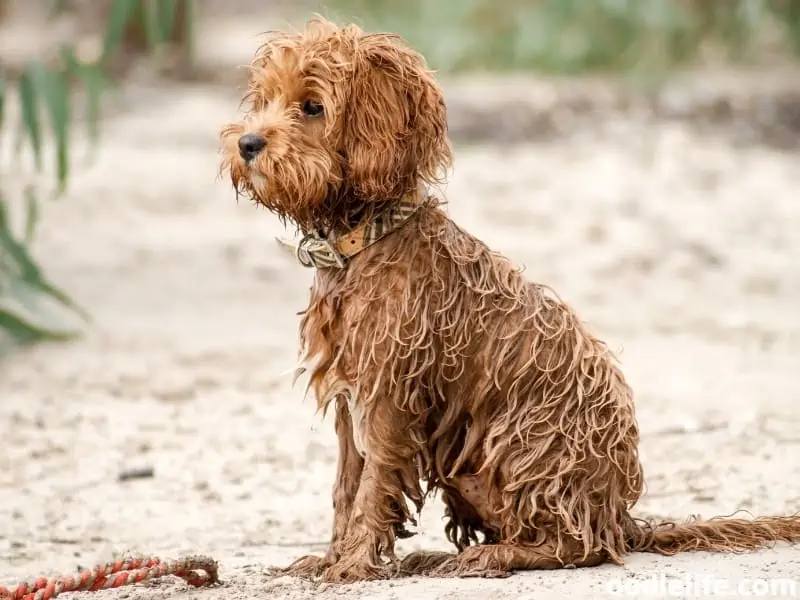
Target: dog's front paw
(306,567)
(359,559)
(353,570)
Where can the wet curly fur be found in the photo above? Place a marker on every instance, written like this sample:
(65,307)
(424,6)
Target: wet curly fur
(448,370)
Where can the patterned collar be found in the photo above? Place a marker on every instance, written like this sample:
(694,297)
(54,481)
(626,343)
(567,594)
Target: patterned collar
(317,251)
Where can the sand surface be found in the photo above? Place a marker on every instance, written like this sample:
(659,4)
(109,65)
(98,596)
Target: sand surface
(677,247)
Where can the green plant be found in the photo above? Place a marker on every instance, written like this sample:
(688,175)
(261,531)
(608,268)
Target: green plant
(576,36)
(31,306)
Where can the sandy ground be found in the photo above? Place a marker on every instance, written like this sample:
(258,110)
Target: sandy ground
(678,248)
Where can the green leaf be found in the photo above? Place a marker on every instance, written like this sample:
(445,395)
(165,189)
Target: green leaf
(27,270)
(15,251)
(189,24)
(119,17)
(18,328)
(167,12)
(4,224)
(58,7)
(32,214)
(24,313)
(60,296)
(2,97)
(151,23)
(52,87)
(94,83)
(71,63)
(30,113)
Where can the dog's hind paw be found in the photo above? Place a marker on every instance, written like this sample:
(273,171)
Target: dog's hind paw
(475,561)
(423,562)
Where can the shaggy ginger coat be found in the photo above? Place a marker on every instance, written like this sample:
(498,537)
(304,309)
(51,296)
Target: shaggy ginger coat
(448,370)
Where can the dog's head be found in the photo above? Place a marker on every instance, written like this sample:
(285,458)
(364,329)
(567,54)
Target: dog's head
(338,122)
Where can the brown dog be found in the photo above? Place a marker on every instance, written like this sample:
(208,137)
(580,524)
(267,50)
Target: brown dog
(446,366)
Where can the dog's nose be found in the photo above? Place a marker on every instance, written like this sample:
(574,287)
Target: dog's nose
(250,144)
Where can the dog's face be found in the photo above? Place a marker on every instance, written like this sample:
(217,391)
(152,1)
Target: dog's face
(337,121)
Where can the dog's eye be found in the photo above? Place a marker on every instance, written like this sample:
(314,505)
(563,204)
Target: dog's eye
(312,109)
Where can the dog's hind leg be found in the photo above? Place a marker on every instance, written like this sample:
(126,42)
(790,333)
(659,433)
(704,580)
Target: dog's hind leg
(500,560)
(348,476)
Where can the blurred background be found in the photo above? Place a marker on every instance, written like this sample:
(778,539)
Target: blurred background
(517,71)
(640,156)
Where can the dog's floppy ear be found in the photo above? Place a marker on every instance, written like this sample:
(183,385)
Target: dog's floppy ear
(395,128)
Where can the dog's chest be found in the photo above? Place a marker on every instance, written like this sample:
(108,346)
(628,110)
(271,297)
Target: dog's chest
(331,323)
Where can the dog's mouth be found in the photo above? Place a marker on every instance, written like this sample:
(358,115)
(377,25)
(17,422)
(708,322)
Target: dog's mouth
(258,182)
(252,178)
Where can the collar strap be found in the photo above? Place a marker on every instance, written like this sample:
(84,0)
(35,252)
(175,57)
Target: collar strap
(316,251)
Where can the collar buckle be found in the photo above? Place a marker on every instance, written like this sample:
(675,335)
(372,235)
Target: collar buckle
(315,251)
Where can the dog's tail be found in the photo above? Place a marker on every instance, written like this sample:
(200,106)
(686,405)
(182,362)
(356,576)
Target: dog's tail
(720,534)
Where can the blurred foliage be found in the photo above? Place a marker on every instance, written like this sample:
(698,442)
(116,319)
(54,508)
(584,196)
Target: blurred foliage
(31,306)
(575,36)
(556,36)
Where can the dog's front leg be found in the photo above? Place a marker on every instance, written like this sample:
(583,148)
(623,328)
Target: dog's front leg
(348,475)
(370,532)
(379,509)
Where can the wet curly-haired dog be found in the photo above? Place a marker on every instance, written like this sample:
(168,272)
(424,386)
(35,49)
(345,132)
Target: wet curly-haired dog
(448,370)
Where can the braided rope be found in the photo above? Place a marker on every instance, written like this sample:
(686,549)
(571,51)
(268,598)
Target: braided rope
(197,571)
